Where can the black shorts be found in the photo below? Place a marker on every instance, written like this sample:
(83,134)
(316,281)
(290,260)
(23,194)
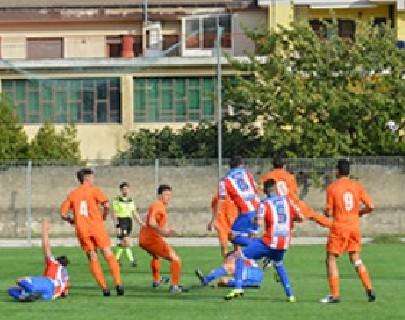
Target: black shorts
(125,227)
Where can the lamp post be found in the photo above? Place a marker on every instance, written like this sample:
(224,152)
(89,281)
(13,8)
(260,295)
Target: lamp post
(219,97)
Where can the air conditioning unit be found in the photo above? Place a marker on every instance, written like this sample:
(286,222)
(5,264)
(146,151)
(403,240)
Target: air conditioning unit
(154,39)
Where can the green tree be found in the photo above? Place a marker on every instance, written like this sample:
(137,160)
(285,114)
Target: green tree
(48,144)
(13,140)
(314,97)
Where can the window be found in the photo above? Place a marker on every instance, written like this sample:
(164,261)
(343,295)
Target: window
(137,46)
(174,99)
(65,100)
(320,27)
(201,32)
(114,47)
(347,29)
(380,21)
(44,48)
(171,45)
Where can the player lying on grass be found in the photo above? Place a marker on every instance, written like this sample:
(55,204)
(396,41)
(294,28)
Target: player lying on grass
(151,239)
(53,284)
(278,214)
(252,275)
(84,202)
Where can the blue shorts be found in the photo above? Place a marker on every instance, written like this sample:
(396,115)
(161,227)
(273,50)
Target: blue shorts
(244,223)
(42,286)
(251,277)
(257,249)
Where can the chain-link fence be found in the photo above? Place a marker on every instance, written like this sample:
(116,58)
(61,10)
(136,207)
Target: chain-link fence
(32,190)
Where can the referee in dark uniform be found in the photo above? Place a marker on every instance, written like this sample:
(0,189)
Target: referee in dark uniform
(124,209)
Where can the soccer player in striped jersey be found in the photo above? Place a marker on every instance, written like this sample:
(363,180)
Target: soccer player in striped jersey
(278,214)
(53,284)
(239,185)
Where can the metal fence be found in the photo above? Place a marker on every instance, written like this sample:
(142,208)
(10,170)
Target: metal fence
(32,190)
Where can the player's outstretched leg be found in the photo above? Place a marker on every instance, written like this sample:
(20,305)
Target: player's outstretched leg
(333,280)
(214,274)
(238,291)
(363,275)
(283,276)
(114,270)
(97,272)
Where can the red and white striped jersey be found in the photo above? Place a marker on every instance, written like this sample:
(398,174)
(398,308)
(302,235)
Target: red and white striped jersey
(239,185)
(58,274)
(278,214)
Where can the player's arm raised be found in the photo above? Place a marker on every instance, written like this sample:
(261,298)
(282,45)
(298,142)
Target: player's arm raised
(46,247)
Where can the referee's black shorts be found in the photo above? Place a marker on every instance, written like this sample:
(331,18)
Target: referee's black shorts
(125,227)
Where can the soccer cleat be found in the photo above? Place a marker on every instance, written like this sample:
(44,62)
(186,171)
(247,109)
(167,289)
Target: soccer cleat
(329,299)
(164,280)
(371,295)
(267,263)
(291,299)
(120,290)
(235,293)
(177,289)
(155,284)
(200,277)
(106,292)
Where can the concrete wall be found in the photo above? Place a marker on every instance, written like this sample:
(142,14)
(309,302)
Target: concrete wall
(13,47)
(401,25)
(85,47)
(193,188)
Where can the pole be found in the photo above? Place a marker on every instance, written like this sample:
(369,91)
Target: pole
(156,175)
(145,4)
(28,184)
(219,98)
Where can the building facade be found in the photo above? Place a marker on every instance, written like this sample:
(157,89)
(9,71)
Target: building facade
(116,66)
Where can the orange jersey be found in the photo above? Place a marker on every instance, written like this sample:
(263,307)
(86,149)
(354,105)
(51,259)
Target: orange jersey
(344,199)
(227,208)
(84,202)
(286,183)
(156,211)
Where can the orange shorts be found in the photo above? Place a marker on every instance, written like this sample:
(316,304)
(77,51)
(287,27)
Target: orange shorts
(343,240)
(157,247)
(97,239)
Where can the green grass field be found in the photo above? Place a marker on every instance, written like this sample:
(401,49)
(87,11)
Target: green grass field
(305,264)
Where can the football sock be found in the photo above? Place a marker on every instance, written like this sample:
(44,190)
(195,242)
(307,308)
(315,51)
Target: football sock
(364,277)
(155,267)
(114,269)
(334,286)
(215,274)
(128,253)
(282,273)
(175,270)
(239,266)
(119,251)
(97,273)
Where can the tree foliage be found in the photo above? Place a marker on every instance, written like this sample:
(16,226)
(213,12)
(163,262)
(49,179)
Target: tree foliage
(48,144)
(13,140)
(315,97)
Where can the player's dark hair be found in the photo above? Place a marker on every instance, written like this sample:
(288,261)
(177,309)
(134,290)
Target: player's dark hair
(82,173)
(343,167)
(268,185)
(163,187)
(63,260)
(235,162)
(124,184)
(278,162)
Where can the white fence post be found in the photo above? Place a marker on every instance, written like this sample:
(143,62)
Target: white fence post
(28,183)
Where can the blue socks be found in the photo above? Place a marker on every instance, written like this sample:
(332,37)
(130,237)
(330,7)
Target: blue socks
(215,274)
(282,273)
(239,266)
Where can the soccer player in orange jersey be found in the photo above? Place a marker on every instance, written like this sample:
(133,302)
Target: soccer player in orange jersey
(286,183)
(223,217)
(151,240)
(84,202)
(346,202)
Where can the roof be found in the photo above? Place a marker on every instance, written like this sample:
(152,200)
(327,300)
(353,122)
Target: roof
(26,4)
